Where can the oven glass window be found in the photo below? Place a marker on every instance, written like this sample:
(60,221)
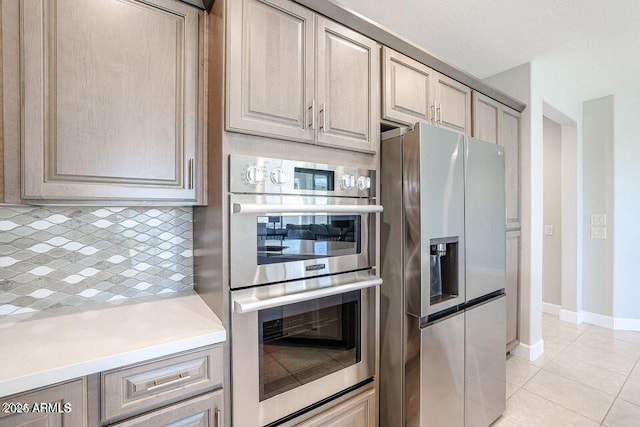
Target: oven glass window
(303,237)
(302,342)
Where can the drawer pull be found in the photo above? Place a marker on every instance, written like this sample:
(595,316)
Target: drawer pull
(173,379)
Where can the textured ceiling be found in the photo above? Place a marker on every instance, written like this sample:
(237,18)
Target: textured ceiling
(590,46)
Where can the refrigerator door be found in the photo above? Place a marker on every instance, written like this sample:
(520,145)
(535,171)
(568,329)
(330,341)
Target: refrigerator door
(433,186)
(485,218)
(485,362)
(442,374)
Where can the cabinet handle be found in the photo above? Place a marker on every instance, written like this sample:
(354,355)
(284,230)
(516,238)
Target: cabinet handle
(153,385)
(312,109)
(191,177)
(324,118)
(439,113)
(218,418)
(433,113)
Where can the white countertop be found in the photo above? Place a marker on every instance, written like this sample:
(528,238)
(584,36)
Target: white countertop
(64,344)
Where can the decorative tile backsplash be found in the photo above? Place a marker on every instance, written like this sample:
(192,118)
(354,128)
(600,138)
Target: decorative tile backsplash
(65,256)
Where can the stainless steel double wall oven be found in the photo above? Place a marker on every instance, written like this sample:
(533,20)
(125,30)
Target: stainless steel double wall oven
(303,285)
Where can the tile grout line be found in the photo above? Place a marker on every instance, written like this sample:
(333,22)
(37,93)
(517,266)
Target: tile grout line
(620,391)
(563,376)
(540,370)
(571,379)
(551,401)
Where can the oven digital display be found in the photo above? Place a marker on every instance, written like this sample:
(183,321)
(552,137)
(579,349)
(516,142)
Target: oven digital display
(313,179)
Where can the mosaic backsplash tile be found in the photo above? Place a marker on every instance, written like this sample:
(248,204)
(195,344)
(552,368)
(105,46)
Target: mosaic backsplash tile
(65,256)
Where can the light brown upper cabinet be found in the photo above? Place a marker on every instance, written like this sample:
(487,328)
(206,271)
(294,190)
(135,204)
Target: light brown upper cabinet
(271,69)
(499,124)
(486,118)
(510,139)
(414,92)
(111,100)
(407,95)
(292,74)
(453,104)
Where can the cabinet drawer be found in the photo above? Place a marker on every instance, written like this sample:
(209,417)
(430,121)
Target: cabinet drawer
(201,411)
(137,389)
(358,411)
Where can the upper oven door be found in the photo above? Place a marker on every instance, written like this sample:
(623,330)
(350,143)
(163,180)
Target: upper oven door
(279,238)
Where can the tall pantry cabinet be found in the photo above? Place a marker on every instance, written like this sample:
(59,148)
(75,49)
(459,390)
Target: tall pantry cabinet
(494,122)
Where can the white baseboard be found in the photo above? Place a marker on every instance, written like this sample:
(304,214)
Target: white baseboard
(622,324)
(617,323)
(529,352)
(549,308)
(599,320)
(571,316)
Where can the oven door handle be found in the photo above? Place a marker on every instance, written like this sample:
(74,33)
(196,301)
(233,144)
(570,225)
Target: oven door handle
(248,305)
(253,208)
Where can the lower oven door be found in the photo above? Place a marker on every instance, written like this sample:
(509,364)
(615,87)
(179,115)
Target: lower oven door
(278,238)
(296,344)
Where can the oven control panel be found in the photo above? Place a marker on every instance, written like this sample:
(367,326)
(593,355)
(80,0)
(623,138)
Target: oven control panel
(264,175)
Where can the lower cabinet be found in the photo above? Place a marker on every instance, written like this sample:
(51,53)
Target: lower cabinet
(179,390)
(201,411)
(133,390)
(513,286)
(358,411)
(60,405)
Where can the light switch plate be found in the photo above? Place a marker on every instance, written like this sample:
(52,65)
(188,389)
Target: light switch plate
(598,219)
(548,230)
(598,232)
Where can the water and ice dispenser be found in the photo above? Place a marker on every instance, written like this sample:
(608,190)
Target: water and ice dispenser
(444,270)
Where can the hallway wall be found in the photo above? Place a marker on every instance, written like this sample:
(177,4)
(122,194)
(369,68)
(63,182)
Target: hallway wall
(598,199)
(552,214)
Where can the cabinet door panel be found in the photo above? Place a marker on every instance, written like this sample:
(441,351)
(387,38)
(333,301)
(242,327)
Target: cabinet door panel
(407,89)
(454,103)
(348,88)
(271,74)
(55,398)
(513,284)
(110,99)
(358,411)
(486,118)
(511,142)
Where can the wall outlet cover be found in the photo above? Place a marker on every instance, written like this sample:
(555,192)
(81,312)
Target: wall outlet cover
(598,232)
(598,219)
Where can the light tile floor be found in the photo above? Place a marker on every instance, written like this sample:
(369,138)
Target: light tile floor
(588,376)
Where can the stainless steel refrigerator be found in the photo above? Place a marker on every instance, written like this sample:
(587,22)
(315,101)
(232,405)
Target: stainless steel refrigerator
(443,313)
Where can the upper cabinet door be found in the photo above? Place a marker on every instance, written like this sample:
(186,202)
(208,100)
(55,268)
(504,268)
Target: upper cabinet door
(110,93)
(510,139)
(271,69)
(348,88)
(407,89)
(453,104)
(486,118)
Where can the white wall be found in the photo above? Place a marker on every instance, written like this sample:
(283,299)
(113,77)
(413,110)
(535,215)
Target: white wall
(626,178)
(597,270)
(552,213)
(545,96)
